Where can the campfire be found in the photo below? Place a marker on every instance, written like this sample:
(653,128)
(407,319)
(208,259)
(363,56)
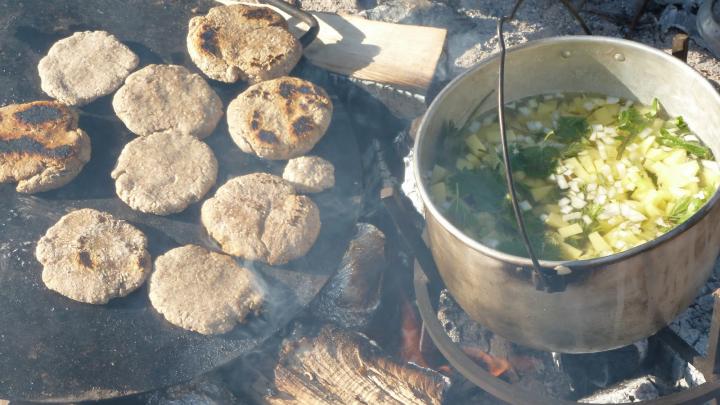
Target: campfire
(362,310)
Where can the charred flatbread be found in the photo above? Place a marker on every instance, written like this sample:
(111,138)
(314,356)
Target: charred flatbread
(279,119)
(92,257)
(41,146)
(240,42)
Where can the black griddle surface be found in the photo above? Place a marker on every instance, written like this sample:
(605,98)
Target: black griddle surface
(55,349)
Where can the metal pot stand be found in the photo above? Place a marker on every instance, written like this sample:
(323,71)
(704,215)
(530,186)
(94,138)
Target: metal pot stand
(428,284)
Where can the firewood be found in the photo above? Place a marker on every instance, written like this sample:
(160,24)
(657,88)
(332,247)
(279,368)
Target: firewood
(352,295)
(343,367)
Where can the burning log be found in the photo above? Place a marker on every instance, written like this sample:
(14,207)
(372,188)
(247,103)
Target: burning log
(340,367)
(352,296)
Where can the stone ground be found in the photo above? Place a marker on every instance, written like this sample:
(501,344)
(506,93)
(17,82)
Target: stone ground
(471,24)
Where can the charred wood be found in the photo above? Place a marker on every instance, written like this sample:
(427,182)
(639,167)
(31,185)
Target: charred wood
(338,366)
(353,294)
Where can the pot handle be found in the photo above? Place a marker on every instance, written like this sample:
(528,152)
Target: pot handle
(550,281)
(309,36)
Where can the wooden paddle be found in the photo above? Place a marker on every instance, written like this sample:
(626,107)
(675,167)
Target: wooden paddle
(402,56)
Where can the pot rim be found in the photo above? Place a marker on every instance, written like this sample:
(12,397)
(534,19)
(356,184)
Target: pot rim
(430,207)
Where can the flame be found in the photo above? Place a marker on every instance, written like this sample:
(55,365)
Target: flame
(495,365)
(410,331)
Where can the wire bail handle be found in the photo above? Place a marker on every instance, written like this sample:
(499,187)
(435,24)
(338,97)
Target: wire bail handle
(543,279)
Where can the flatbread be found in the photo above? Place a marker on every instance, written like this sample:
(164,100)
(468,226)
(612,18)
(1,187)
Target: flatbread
(203,291)
(241,42)
(310,174)
(167,99)
(259,217)
(92,257)
(164,173)
(41,146)
(280,119)
(85,66)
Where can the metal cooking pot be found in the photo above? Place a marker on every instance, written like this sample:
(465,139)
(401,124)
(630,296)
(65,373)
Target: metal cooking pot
(606,302)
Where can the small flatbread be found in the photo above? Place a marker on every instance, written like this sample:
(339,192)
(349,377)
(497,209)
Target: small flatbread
(310,174)
(240,42)
(164,173)
(85,67)
(203,291)
(259,217)
(168,99)
(279,119)
(41,146)
(89,256)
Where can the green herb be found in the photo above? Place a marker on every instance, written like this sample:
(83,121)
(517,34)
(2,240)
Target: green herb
(685,207)
(694,148)
(592,211)
(483,189)
(654,108)
(451,142)
(540,239)
(680,211)
(571,128)
(631,120)
(681,124)
(462,213)
(631,124)
(573,150)
(535,161)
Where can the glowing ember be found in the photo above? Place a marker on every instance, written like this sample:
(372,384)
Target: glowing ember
(410,330)
(495,365)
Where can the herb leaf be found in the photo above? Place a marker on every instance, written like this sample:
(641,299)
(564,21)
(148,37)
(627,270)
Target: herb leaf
(694,148)
(573,150)
(681,124)
(535,161)
(571,128)
(483,188)
(631,122)
(654,108)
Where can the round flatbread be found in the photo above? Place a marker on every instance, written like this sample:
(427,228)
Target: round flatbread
(85,66)
(167,99)
(41,147)
(279,119)
(164,173)
(259,217)
(310,174)
(240,42)
(203,291)
(89,256)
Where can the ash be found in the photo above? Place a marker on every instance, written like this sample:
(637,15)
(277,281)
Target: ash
(693,325)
